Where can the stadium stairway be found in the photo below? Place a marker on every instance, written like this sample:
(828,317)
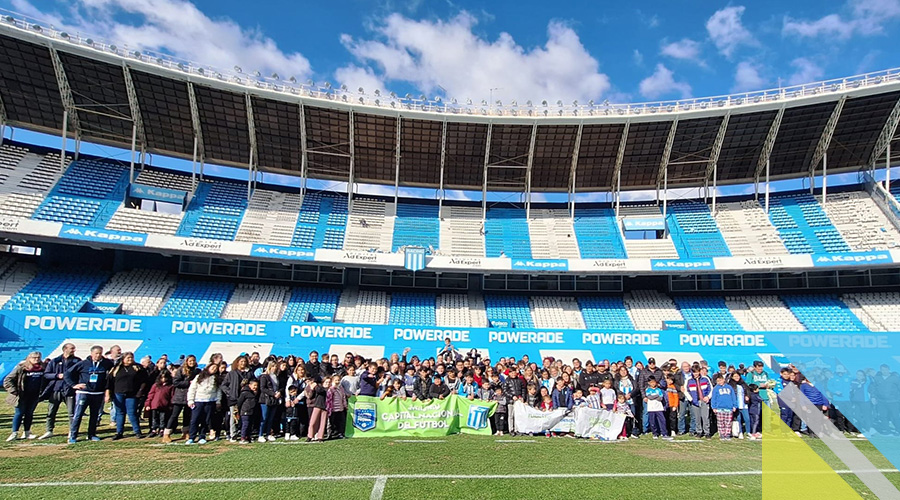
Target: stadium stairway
(270,218)
(746,229)
(88,194)
(461,232)
(322,221)
(506,233)
(417,225)
(694,231)
(803,225)
(215,211)
(597,234)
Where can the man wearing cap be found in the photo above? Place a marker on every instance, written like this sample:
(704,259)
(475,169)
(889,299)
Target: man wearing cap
(603,373)
(651,370)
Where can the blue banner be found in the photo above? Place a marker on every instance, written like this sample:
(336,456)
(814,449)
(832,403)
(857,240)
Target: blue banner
(288,253)
(674,325)
(101,307)
(23,332)
(644,224)
(502,323)
(145,192)
(679,264)
(851,258)
(320,317)
(102,235)
(541,264)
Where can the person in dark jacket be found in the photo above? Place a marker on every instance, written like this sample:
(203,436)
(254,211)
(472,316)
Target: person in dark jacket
(232,387)
(24,385)
(313,367)
(368,381)
(588,378)
(159,402)
(58,391)
(514,390)
(885,391)
(438,389)
(246,405)
(651,370)
(271,396)
(316,395)
(89,378)
(182,382)
(421,385)
(127,381)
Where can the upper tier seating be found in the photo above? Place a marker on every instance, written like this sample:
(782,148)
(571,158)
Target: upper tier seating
(256,302)
(144,221)
(598,234)
(369,225)
(823,313)
(861,222)
(514,308)
(649,308)
(270,218)
(140,291)
(556,312)
(605,312)
(56,291)
(461,232)
(416,309)
(198,299)
(26,178)
(88,194)
(747,230)
(803,225)
(215,212)
(506,232)
(417,225)
(694,229)
(707,313)
(322,221)
(165,179)
(305,300)
(552,235)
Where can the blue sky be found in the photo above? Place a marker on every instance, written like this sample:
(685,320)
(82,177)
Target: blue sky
(522,50)
(525,50)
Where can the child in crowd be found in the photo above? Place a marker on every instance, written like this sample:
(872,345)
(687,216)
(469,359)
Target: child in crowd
(594,401)
(247,404)
(723,404)
(654,401)
(336,405)
(755,408)
(498,419)
(291,416)
(159,403)
(399,389)
(608,395)
(671,404)
(350,381)
(532,398)
(623,408)
(578,399)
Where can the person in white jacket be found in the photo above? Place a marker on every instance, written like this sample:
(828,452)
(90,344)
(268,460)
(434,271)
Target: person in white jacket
(203,396)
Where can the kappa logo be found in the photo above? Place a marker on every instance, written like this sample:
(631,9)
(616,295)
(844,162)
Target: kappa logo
(365,416)
(283,252)
(138,190)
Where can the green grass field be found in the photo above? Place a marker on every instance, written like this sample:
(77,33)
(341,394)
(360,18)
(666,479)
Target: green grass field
(410,469)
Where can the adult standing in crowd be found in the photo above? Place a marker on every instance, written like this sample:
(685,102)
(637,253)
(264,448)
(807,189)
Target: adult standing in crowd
(58,391)
(231,391)
(24,385)
(127,381)
(89,378)
(204,394)
(182,382)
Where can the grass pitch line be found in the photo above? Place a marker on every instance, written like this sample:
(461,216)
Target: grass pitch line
(378,489)
(420,440)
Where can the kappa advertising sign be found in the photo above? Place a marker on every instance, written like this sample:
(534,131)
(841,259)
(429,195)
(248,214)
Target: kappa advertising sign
(393,417)
(644,224)
(23,332)
(102,235)
(851,258)
(287,253)
(145,192)
(541,264)
(682,264)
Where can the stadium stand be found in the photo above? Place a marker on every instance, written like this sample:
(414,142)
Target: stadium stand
(514,308)
(14,278)
(304,301)
(881,308)
(605,312)
(165,179)
(823,313)
(144,221)
(556,312)
(141,292)
(416,309)
(506,233)
(369,225)
(270,218)
(461,232)
(803,225)
(10,156)
(453,309)
(477,310)
(552,235)
(649,308)
(770,313)
(694,231)
(88,194)
(597,233)
(198,299)
(417,225)
(256,302)
(861,222)
(25,186)
(322,221)
(363,306)
(56,291)
(215,211)
(707,313)
(746,229)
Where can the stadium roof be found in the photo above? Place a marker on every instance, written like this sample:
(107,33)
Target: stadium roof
(111,95)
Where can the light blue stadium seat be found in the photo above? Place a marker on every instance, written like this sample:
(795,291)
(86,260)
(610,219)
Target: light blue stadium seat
(416,225)
(605,312)
(515,308)
(198,299)
(418,309)
(55,291)
(707,313)
(694,231)
(310,300)
(803,225)
(506,231)
(322,221)
(823,313)
(598,234)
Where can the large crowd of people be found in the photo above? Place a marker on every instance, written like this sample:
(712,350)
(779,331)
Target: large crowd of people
(264,399)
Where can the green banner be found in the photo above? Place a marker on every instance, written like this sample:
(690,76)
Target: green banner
(394,417)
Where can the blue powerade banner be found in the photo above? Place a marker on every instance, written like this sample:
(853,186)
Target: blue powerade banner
(22,332)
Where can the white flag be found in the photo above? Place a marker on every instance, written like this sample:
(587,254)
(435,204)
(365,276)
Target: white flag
(531,420)
(600,424)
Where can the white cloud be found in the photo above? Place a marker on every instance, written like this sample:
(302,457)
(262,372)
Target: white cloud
(682,49)
(354,77)
(805,71)
(726,30)
(862,17)
(747,78)
(638,58)
(178,28)
(431,54)
(662,83)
